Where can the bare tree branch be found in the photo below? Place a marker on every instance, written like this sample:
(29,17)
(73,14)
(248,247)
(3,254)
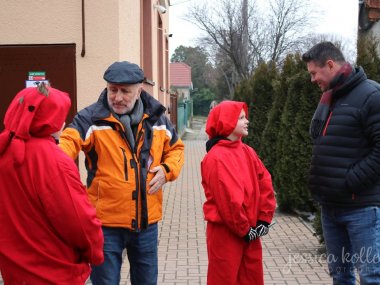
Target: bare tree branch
(247,33)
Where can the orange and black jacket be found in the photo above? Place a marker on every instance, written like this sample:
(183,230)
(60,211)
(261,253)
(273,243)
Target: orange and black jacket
(117,176)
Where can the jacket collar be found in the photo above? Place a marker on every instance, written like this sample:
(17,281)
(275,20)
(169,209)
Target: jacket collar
(357,76)
(152,107)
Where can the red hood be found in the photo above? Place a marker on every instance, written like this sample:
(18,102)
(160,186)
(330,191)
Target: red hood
(223,118)
(32,114)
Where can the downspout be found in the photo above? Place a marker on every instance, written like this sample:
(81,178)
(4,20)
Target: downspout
(83,33)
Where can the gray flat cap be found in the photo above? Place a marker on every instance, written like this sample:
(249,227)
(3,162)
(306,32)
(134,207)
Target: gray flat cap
(123,72)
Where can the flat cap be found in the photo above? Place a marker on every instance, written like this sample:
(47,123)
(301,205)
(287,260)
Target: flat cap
(123,72)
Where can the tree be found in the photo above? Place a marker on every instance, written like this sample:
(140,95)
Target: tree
(368,56)
(258,94)
(202,76)
(202,100)
(202,71)
(226,77)
(294,144)
(246,35)
(313,39)
(225,27)
(283,30)
(270,137)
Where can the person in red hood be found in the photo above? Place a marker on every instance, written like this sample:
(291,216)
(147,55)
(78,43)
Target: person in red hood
(240,200)
(49,233)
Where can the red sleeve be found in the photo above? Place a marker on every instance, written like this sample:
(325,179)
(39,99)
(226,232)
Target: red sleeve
(228,195)
(267,203)
(70,212)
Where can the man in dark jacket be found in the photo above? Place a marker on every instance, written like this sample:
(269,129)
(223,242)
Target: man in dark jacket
(345,167)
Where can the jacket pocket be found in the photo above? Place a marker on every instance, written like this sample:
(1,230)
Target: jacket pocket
(125,159)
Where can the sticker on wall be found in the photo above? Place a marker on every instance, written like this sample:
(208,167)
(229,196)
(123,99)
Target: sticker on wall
(37,75)
(35,78)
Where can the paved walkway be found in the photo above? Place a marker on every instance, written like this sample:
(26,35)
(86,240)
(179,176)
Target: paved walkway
(291,251)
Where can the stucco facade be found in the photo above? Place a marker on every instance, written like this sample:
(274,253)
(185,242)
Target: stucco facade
(103,31)
(113,31)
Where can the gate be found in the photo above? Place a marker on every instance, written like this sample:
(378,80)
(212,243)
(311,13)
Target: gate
(173,110)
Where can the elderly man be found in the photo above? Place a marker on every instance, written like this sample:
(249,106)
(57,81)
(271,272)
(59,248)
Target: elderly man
(131,151)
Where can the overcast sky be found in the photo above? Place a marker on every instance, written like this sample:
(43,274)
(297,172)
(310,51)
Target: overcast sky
(335,17)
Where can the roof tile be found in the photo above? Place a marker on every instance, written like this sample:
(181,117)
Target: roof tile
(180,74)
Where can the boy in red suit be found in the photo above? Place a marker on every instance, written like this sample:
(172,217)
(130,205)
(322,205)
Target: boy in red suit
(49,233)
(240,200)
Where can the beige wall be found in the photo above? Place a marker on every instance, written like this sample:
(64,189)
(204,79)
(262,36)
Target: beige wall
(112,33)
(112,30)
(163,96)
(109,35)
(129,33)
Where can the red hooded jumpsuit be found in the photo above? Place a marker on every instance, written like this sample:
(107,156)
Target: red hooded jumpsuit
(239,192)
(48,229)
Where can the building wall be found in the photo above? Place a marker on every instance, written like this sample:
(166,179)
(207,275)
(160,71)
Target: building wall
(113,32)
(58,22)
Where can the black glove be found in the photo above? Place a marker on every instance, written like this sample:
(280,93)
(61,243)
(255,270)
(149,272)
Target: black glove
(251,235)
(262,228)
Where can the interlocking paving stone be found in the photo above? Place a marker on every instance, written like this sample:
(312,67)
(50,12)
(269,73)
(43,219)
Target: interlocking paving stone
(291,252)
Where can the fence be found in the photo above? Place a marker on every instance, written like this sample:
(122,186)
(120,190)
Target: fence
(184,115)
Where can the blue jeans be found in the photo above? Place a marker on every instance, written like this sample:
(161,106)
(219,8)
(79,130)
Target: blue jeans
(352,237)
(141,251)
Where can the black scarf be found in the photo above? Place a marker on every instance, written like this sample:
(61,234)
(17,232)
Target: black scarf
(130,122)
(211,142)
(322,112)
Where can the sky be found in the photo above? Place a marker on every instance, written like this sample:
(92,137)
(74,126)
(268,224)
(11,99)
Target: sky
(338,17)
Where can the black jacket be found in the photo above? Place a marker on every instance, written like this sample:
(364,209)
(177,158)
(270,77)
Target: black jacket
(345,166)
